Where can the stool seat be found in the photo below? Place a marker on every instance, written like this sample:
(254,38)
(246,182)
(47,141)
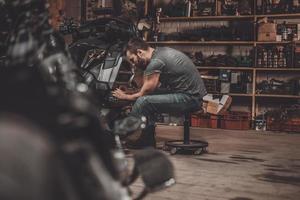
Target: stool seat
(186,145)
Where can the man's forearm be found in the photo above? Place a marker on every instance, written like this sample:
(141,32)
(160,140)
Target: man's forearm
(150,84)
(133,97)
(142,92)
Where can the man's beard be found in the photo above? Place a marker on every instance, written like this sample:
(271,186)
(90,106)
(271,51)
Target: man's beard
(142,63)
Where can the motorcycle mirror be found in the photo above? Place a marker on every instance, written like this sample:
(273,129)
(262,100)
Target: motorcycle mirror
(129,125)
(156,170)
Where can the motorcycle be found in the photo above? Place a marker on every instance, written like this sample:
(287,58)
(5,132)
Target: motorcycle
(54,108)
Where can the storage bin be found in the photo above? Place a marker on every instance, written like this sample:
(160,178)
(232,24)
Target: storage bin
(236,121)
(292,125)
(202,121)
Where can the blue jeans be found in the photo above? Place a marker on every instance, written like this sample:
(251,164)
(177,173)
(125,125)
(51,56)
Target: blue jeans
(177,103)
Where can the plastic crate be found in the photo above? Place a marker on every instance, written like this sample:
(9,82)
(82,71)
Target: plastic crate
(292,125)
(236,121)
(214,121)
(205,121)
(202,121)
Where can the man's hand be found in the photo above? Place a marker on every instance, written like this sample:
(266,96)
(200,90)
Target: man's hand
(120,94)
(150,83)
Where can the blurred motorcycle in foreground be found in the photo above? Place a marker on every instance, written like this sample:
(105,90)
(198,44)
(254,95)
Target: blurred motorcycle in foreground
(57,139)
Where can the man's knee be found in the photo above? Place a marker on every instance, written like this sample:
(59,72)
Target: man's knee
(142,101)
(140,104)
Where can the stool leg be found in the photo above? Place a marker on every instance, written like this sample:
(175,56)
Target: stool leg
(186,129)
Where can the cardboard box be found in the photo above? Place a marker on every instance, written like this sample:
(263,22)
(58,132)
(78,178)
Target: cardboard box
(217,107)
(266,37)
(267,32)
(267,27)
(212,107)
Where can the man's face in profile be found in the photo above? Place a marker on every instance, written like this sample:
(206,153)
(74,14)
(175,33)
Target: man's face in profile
(138,59)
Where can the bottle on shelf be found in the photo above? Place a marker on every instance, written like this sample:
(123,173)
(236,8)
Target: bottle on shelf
(280,56)
(270,58)
(259,57)
(275,57)
(288,55)
(259,6)
(284,32)
(275,6)
(286,8)
(268,7)
(155,29)
(188,12)
(265,58)
(284,63)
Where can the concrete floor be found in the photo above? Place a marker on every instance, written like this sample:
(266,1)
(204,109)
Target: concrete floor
(239,165)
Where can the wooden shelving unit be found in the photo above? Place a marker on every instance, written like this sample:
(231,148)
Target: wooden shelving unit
(260,95)
(235,94)
(248,68)
(210,18)
(228,18)
(220,43)
(277,69)
(279,43)
(203,43)
(278,96)
(229,68)
(254,70)
(280,16)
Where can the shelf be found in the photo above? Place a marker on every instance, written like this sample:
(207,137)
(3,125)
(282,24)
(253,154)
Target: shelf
(280,16)
(260,95)
(278,96)
(232,68)
(211,18)
(203,43)
(277,69)
(275,42)
(234,94)
(221,42)
(228,18)
(248,68)
(240,95)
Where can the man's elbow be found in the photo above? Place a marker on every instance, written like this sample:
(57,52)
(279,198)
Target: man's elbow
(147,91)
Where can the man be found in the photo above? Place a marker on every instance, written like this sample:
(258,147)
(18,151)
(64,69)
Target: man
(164,68)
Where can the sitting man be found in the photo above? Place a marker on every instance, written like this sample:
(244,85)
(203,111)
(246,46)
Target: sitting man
(163,68)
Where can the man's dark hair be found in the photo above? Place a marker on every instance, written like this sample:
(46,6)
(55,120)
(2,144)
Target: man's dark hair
(134,44)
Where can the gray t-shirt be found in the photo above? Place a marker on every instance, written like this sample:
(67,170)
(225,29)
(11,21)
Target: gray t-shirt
(177,71)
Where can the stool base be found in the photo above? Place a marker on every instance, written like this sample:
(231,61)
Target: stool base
(194,146)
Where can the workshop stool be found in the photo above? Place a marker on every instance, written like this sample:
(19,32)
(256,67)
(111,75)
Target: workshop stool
(186,145)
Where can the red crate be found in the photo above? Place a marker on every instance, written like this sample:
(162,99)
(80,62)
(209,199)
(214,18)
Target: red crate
(292,125)
(202,121)
(205,121)
(236,121)
(214,119)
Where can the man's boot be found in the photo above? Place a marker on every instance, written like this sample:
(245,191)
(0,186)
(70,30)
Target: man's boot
(146,139)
